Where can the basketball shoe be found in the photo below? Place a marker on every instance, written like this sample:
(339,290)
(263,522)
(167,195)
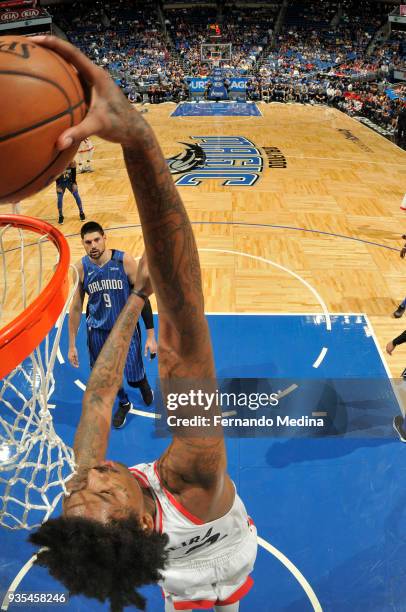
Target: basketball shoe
(398,427)
(146,391)
(399,312)
(120,417)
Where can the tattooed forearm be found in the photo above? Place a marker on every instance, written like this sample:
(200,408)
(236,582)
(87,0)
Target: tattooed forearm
(105,380)
(107,374)
(170,245)
(90,441)
(185,353)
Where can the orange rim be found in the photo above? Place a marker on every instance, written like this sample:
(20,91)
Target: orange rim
(24,333)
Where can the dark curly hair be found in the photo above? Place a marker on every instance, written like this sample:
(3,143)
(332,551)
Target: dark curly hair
(103,561)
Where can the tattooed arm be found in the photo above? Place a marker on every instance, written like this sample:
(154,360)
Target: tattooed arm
(185,351)
(194,466)
(92,435)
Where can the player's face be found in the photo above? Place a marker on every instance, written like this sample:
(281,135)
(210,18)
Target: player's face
(95,244)
(108,491)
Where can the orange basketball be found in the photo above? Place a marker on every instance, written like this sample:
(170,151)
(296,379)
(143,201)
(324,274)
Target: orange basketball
(41,96)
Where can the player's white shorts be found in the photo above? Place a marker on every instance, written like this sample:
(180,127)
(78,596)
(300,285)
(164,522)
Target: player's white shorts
(208,582)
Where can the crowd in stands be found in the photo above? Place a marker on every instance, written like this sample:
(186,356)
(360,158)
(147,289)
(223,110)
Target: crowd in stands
(324,55)
(126,38)
(366,98)
(247,29)
(324,52)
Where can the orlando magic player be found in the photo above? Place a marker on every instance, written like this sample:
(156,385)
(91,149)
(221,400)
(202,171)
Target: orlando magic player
(67,180)
(106,276)
(178,521)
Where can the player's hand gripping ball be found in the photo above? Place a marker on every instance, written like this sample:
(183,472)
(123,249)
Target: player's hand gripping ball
(41,96)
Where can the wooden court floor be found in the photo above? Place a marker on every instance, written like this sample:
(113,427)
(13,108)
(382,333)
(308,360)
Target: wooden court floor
(330,217)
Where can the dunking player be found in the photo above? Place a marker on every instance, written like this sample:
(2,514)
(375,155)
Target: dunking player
(179,520)
(106,276)
(68,180)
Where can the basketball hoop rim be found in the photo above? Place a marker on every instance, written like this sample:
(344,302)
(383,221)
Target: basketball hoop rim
(24,333)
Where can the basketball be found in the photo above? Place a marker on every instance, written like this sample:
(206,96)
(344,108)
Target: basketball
(41,97)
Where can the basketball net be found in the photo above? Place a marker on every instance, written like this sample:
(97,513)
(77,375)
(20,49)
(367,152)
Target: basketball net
(35,463)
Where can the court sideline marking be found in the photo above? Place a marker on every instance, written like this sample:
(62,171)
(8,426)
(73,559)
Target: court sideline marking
(304,282)
(294,571)
(240,224)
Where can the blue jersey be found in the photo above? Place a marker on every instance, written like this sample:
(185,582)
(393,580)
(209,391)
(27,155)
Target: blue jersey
(108,289)
(67,178)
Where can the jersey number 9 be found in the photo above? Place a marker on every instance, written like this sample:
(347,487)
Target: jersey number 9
(107,300)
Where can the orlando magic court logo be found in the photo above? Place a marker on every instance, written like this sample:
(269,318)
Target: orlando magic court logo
(233,160)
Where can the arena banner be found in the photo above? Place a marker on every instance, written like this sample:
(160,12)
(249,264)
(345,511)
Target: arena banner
(238,85)
(25,18)
(12,3)
(197,84)
(21,14)
(217,90)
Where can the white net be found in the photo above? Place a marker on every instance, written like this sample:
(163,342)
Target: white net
(217,52)
(35,463)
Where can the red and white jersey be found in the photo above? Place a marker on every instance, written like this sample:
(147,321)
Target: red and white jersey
(208,563)
(189,537)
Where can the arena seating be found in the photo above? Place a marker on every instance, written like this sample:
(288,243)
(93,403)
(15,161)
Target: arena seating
(321,53)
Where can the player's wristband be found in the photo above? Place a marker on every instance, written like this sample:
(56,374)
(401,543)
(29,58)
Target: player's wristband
(140,294)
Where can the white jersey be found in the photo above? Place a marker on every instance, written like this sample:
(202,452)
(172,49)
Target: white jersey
(86,146)
(206,561)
